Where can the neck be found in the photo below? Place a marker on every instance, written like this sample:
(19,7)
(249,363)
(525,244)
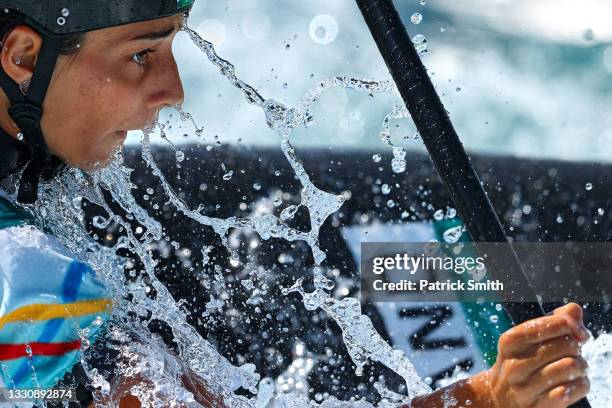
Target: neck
(6,122)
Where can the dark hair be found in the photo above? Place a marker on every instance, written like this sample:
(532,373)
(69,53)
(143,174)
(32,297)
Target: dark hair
(10,18)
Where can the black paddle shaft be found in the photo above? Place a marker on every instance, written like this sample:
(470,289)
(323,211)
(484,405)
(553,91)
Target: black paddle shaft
(445,148)
(448,154)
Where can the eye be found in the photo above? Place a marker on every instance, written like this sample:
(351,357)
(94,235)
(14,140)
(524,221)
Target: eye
(140,58)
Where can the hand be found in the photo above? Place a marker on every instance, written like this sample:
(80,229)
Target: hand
(539,364)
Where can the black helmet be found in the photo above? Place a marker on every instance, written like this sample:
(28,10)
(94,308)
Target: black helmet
(76,16)
(54,20)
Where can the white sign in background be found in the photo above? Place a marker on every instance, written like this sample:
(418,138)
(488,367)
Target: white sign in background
(436,337)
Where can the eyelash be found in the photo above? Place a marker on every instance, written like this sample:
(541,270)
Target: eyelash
(141,55)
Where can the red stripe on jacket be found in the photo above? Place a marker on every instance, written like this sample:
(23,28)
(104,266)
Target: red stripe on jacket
(13,351)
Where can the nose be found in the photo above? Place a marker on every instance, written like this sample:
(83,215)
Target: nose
(167,86)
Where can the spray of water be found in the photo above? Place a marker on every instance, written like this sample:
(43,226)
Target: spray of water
(360,337)
(60,210)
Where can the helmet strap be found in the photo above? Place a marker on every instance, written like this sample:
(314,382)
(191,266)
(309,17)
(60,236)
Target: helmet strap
(26,110)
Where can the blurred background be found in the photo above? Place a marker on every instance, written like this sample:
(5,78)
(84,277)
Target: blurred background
(518,78)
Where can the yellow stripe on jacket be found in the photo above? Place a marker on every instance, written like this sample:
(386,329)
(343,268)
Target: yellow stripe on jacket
(53,311)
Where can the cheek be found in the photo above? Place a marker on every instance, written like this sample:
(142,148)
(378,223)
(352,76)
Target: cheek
(85,105)
(112,93)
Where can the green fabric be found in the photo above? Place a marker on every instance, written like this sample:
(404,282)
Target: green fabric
(11,216)
(487,322)
(184,3)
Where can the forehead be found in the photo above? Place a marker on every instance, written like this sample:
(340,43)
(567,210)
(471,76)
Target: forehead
(130,32)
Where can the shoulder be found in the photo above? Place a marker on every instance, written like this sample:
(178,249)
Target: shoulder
(34,266)
(49,301)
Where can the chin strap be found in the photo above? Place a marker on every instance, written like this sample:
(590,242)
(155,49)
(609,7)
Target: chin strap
(26,110)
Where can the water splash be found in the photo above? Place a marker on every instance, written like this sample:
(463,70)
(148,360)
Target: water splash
(60,210)
(65,196)
(360,337)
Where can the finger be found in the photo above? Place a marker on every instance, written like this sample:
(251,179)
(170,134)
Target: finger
(564,395)
(552,375)
(524,336)
(521,368)
(572,312)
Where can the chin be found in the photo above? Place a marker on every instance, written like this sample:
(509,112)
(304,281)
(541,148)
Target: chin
(101,161)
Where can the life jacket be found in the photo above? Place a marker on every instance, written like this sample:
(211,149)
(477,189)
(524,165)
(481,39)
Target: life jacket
(50,304)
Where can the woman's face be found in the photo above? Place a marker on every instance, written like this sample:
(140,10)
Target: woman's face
(117,81)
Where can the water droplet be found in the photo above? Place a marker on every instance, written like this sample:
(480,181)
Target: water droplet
(559,219)
(416,18)
(588,186)
(451,213)
(288,213)
(277,173)
(439,215)
(278,202)
(20,136)
(600,211)
(494,318)
(65,12)
(180,156)
(323,29)
(442,29)
(150,190)
(99,222)
(420,43)
(61,21)
(423,2)
(227,176)
(386,189)
(499,307)
(398,164)
(377,158)
(256,186)
(458,89)
(390,203)
(452,235)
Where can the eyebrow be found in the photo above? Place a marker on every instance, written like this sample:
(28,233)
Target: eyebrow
(156,35)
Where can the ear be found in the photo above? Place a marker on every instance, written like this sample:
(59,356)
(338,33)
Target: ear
(19,53)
